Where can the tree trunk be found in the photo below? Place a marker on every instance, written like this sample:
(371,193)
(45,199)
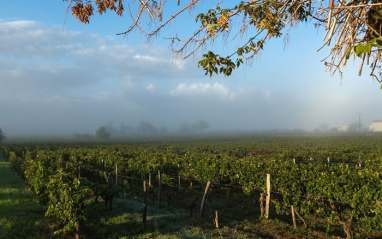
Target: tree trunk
(347,227)
(204,198)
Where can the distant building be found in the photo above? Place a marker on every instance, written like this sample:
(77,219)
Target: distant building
(376,126)
(344,128)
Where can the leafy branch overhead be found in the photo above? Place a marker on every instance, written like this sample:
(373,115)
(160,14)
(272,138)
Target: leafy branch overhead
(352,27)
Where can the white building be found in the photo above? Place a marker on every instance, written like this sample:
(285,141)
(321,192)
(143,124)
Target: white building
(376,126)
(344,128)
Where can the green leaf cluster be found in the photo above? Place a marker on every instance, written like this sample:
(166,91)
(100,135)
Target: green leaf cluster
(212,63)
(364,48)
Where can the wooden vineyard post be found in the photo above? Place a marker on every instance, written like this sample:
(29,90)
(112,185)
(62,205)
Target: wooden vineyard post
(149,179)
(103,165)
(178,177)
(116,175)
(204,198)
(144,204)
(77,236)
(293,217)
(268,198)
(159,187)
(294,160)
(328,161)
(216,219)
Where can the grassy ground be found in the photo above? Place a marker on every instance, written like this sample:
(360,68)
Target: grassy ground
(238,218)
(20,215)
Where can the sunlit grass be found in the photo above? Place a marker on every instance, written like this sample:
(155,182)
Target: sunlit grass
(20,215)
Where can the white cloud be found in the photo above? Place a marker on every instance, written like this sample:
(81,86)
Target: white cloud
(38,58)
(146,58)
(201,89)
(150,87)
(31,39)
(21,24)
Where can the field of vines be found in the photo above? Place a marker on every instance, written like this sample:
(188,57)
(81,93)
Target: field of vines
(332,180)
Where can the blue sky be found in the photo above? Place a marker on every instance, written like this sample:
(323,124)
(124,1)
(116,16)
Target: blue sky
(58,76)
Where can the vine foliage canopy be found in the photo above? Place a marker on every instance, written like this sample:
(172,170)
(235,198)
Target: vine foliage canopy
(353,28)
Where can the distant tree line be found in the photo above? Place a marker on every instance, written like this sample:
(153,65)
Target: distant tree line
(146,128)
(2,135)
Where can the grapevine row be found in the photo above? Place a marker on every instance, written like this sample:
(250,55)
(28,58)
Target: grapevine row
(342,194)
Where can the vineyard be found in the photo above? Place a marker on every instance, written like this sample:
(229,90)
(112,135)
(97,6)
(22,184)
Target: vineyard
(331,185)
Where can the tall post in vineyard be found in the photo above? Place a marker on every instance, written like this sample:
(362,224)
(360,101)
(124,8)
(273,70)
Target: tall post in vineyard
(268,198)
(178,177)
(116,175)
(293,217)
(159,187)
(144,204)
(359,162)
(77,236)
